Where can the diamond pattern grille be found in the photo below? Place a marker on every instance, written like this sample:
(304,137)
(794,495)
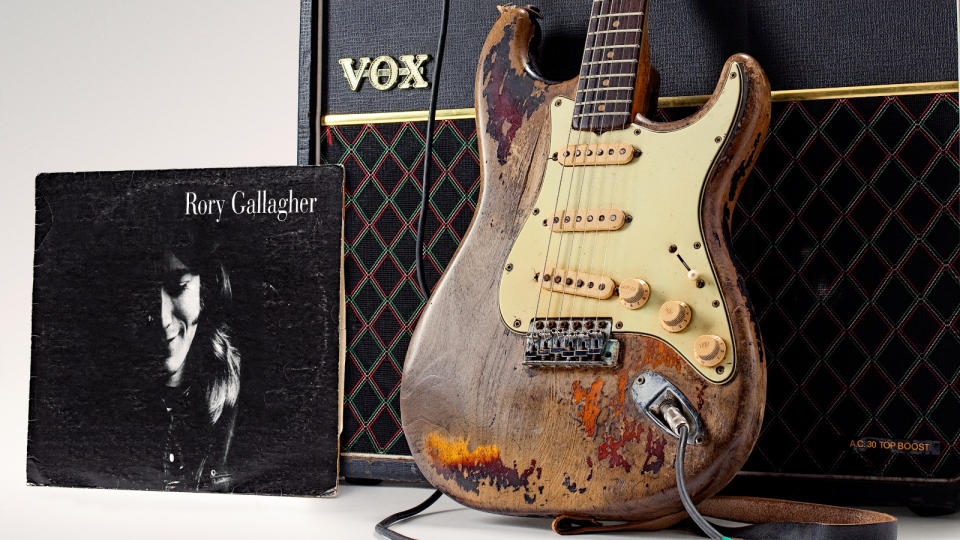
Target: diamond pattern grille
(849,235)
(384,163)
(858,198)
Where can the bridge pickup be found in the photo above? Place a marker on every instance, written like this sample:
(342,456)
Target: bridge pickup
(585,155)
(570,342)
(577,283)
(587,219)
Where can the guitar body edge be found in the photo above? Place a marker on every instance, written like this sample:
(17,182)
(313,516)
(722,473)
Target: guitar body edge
(503,437)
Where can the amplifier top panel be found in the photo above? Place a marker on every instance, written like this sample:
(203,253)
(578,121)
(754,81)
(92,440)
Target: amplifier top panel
(800,43)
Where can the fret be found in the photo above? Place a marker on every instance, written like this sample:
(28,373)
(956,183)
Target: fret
(620,113)
(605,101)
(599,62)
(626,46)
(625,25)
(617,31)
(606,88)
(619,14)
(603,75)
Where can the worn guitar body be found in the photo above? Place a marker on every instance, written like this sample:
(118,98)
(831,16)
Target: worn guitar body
(499,432)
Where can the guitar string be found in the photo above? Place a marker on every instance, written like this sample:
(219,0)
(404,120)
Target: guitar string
(594,175)
(587,172)
(546,256)
(587,53)
(641,19)
(604,186)
(600,187)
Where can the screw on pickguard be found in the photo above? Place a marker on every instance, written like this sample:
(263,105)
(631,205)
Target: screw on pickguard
(570,342)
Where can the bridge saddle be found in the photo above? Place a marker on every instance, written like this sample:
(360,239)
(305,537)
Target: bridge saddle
(570,342)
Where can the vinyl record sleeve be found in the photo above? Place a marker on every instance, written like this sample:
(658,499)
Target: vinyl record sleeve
(187,330)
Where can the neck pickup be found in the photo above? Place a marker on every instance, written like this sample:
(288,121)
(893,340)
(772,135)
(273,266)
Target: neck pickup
(587,219)
(585,155)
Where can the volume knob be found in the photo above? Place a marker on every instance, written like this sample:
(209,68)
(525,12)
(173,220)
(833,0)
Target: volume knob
(709,350)
(675,316)
(634,293)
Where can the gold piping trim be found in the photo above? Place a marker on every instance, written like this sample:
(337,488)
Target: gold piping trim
(395,117)
(382,457)
(805,94)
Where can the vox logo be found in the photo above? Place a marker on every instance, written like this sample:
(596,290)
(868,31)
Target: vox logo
(385,73)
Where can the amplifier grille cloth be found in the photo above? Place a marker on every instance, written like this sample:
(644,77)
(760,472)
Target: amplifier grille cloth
(848,231)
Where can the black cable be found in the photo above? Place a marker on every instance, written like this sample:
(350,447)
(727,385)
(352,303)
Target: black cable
(383,528)
(428,151)
(695,515)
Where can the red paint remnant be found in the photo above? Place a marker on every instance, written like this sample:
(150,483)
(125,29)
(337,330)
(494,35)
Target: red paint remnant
(700,390)
(655,458)
(610,449)
(590,410)
(590,464)
(539,472)
(529,470)
(511,96)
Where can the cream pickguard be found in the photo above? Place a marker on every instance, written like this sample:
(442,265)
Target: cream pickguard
(659,192)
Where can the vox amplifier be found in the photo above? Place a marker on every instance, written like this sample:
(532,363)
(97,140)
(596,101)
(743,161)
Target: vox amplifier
(848,229)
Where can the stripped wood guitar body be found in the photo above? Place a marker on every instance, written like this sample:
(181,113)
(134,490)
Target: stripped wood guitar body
(504,435)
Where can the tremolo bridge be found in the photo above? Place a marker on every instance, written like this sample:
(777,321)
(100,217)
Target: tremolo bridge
(570,342)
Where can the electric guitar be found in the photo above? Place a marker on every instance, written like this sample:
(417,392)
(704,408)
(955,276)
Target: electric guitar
(594,287)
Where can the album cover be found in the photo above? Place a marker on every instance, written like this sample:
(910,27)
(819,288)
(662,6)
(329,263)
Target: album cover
(187,330)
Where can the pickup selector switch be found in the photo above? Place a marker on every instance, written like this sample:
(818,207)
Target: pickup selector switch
(675,316)
(634,293)
(709,350)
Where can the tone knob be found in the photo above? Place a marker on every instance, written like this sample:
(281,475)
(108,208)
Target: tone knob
(634,293)
(675,316)
(709,350)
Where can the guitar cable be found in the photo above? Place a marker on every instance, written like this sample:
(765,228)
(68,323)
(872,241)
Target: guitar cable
(673,416)
(383,528)
(678,423)
(428,150)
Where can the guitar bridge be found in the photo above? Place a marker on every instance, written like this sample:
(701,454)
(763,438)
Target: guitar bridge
(571,342)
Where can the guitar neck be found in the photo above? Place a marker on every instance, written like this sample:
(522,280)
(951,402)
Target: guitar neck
(612,57)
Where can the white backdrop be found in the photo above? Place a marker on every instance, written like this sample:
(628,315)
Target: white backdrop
(109,85)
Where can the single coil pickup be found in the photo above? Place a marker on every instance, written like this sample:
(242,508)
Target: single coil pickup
(585,155)
(577,283)
(587,219)
(570,343)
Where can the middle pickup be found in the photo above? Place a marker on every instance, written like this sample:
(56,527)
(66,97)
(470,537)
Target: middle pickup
(577,283)
(587,219)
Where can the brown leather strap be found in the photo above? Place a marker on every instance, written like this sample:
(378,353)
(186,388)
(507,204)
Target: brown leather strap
(770,518)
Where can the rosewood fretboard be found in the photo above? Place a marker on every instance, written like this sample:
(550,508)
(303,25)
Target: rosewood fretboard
(608,72)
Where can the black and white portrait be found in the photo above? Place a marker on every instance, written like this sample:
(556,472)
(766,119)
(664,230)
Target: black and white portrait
(186,330)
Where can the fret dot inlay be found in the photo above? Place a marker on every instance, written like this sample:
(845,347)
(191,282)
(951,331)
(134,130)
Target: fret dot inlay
(609,54)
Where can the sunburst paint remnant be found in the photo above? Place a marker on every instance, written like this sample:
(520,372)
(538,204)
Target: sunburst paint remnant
(634,431)
(470,469)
